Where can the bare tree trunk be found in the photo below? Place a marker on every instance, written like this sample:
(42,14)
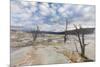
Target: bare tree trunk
(83,42)
(76,48)
(35,34)
(81,39)
(66,35)
(83,48)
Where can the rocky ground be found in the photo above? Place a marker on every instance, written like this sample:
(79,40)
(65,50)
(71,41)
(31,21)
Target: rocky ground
(49,49)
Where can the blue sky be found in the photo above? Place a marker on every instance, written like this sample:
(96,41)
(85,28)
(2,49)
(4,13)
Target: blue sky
(50,16)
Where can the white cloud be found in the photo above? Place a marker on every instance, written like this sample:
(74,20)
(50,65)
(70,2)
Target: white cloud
(44,10)
(28,17)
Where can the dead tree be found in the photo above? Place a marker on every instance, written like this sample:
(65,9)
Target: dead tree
(80,34)
(35,34)
(76,47)
(66,35)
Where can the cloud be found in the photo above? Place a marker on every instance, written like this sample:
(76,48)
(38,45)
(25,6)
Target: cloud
(44,10)
(50,16)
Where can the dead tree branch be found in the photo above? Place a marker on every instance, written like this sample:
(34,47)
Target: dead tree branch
(80,34)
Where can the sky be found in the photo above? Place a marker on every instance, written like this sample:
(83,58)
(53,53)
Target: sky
(50,16)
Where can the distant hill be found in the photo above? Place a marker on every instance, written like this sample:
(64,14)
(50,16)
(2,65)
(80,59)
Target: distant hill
(69,32)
